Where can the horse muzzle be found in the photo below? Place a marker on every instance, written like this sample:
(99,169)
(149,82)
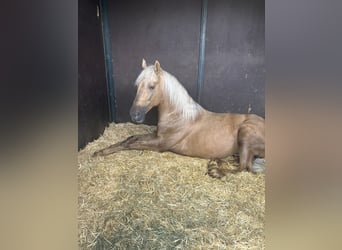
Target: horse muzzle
(138,114)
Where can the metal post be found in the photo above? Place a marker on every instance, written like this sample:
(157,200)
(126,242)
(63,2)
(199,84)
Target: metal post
(204,11)
(108,60)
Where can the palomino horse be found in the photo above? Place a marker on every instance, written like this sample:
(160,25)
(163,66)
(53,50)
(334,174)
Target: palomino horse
(185,128)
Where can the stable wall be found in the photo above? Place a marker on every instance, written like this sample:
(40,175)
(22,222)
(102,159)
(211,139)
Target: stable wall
(93,111)
(169,31)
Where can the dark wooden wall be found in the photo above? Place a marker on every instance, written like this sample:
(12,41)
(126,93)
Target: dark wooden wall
(234,70)
(169,31)
(164,30)
(93,112)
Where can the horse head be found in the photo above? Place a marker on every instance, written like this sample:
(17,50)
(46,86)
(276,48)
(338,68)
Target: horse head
(149,91)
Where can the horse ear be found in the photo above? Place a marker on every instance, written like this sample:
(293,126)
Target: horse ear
(157,68)
(143,64)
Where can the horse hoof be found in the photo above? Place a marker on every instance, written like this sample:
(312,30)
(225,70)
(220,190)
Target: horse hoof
(258,165)
(212,164)
(97,153)
(215,173)
(214,170)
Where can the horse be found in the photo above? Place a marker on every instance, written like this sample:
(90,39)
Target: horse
(186,128)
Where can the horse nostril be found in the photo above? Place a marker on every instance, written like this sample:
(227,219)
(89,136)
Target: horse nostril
(137,114)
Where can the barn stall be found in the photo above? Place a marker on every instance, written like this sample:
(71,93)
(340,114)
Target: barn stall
(150,200)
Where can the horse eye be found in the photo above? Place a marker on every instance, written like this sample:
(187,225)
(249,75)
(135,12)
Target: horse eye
(151,87)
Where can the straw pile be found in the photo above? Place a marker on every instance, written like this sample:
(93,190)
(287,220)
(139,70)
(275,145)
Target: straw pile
(150,200)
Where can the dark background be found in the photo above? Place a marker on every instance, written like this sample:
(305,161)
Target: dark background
(169,31)
(93,109)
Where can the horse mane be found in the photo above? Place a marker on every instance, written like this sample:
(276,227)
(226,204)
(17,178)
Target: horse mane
(178,96)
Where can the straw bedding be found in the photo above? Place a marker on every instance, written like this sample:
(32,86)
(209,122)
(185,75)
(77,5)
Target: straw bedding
(150,200)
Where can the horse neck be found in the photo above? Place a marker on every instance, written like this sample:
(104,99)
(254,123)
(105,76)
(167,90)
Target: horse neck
(170,113)
(166,111)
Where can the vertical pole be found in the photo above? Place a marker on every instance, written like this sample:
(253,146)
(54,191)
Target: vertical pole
(204,11)
(108,59)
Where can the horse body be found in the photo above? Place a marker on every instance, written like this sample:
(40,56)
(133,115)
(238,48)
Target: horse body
(214,136)
(186,128)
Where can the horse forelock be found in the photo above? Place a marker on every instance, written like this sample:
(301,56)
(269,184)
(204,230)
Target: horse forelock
(147,74)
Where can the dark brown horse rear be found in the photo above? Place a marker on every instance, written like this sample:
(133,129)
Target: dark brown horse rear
(185,128)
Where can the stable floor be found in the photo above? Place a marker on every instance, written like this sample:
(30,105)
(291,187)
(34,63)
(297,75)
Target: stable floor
(150,200)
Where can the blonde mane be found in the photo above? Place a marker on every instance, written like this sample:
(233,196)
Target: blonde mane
(179,97)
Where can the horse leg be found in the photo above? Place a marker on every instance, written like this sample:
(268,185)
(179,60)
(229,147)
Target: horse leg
(251,144)
(215,169)
(135,142)
(246,157)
